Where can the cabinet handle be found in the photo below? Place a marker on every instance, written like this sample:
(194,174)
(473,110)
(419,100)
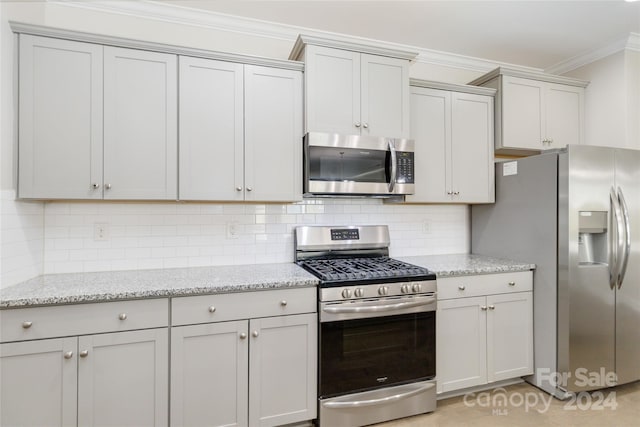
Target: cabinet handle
(357,124)
(84,353)
(512,283)
(455,193)
(211,309)
(95,186)
(122,316)
(450,192)
(483,308)
(462,287)
(283,303)
(68,355)
(492,307)
(27,324)
(255,334)
(365,125)
(249,189)
(550,141)
(243,336)
(238,188)
(107,186)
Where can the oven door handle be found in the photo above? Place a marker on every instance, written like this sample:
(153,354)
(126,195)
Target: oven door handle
(345,309)
(382,400)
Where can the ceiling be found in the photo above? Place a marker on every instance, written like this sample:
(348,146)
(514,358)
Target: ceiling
(538,34)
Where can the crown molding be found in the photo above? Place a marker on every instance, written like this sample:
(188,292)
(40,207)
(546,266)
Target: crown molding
(517,72)
(632,42)
(430,84)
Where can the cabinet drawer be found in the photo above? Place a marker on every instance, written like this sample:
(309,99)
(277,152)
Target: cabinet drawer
(245,305)
(484,284)
(81,319)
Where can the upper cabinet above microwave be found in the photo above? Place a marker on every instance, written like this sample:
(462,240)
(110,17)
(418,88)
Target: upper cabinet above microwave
(535,111)
(354,89)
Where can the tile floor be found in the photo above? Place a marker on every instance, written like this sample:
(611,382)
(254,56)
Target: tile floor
(619,407)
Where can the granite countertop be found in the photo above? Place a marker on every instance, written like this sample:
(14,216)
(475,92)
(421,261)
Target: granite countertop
(466,264)
(70,288)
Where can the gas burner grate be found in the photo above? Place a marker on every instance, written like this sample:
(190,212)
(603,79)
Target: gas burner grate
(348,269)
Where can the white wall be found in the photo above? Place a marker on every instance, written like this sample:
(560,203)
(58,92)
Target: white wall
(51,237)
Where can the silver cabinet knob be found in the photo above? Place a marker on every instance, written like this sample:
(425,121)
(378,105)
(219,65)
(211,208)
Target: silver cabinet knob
(483,308)
(283,303)
(107,186)
(243,336)
(357,124)
(255,334)
(359,292)
(238,188)
(346,293)
(95,186)
(492,307)
(450,193)
(405,289)
(462,287)
(122,316)
(417,287)
(249,189)
(365,125)
(455,193)
(211,309)
(512,283)
(27,324)
(68,355)
(84,353)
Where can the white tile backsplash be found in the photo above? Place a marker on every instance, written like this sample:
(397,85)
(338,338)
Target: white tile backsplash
(167,235)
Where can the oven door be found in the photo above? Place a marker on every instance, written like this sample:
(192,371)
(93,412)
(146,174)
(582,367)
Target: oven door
(375,344)
(357,165)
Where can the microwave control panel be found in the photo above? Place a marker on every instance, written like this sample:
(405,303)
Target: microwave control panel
(405,167)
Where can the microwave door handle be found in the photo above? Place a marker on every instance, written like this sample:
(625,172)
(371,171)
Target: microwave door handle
(627,238)
(394,166)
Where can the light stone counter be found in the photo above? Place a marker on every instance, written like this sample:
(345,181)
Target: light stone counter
(117,285)
(466,264)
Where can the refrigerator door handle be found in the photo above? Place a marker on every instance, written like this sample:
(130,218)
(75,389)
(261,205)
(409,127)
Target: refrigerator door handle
(626,247)
(615,244)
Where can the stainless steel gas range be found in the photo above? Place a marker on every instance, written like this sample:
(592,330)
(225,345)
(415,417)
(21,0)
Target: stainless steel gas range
(377,346)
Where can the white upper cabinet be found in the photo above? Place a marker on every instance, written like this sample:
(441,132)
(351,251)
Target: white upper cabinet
(140,124)
(240,132)
(60,126)
(211,129)
(453,133)
(535,111)
(354,89)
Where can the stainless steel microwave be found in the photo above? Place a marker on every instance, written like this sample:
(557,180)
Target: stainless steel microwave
(355,165)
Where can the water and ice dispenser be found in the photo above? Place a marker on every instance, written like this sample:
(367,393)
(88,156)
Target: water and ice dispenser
(592,238)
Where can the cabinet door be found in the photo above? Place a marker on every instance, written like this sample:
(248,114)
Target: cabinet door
(430,129)
(461,343)
(140,125)
(38,383)
(332,90)
(123,378)
(509,335)
(564,115)
(211,130)
(472,171)
(273,134)
(522,113)
(385,96)
(210,374)
(283,367)
(60,119)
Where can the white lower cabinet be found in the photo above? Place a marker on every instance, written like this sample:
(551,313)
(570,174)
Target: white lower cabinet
(484,329)
(117,378)
(241,371)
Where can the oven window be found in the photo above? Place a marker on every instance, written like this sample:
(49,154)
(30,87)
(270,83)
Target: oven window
(363,354)
(348,164)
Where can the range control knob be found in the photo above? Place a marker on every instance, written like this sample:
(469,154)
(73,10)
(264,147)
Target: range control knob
(346,293)
(383,290)
(405,289)
(358,293)
(417,287)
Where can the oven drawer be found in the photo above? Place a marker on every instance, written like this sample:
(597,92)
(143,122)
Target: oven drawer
(242,305)
(80,319)
(484,284)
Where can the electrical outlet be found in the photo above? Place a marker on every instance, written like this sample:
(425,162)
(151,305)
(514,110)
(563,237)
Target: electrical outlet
(426,226)
(232,230)
(101,231)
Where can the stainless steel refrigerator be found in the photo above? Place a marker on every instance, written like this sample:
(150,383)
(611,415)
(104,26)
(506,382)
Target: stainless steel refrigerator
(575,213)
